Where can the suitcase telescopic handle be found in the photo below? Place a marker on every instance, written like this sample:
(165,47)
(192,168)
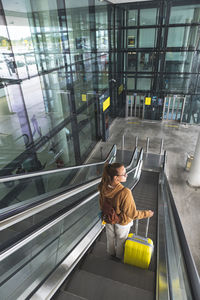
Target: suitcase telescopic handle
(147,227)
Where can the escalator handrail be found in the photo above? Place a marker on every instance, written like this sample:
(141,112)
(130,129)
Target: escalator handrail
(25,212)
(193,276)
(135,153)
(140,157)
(32,236)
(28,210)
(113,151)
(165,160)
(137,169)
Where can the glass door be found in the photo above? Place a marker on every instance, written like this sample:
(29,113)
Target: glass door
(173,108)
(135,105)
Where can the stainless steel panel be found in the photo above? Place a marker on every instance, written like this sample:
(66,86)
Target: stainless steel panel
(47,290)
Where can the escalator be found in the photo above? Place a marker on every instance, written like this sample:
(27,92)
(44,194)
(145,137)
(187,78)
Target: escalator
(101,277)
(31,232)
(24,206)
(64,256)
(171,274)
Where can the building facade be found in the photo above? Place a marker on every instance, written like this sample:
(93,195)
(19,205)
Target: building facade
(67,68)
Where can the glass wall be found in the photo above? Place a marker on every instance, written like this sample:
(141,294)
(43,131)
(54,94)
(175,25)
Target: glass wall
(58,57)
(53,64)
(161,51)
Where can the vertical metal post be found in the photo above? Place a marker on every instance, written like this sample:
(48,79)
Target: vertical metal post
(139,110)
(127,105)
(123,147)
(147,228)
(136,141)
(147,145)
(143,108)
(163,114)
(169,102)
(173,104)
(135,103)
(131,111)
(183,107)
(136,226)
(177,109)
(161,146)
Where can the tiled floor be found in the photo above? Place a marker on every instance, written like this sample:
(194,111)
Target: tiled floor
(179,141)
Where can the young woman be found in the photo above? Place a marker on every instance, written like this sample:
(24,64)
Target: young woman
(123,204)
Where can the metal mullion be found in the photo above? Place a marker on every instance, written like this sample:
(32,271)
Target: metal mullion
(183,25)
(162,49)
(110,36)
(142,5)
(138,29)
(173,104)
(184,2)
(138,37)
(74,123)
(177,108)
(125,36)
(158,46)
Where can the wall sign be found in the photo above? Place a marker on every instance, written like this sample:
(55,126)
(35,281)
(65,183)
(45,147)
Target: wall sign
(84,97)
(120,89)
(106,103)
(131,41)
(147,100)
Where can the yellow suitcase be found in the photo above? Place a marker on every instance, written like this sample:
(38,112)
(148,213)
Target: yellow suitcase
(138,250)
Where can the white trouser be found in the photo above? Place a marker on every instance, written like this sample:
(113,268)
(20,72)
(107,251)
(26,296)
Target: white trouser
(116,236)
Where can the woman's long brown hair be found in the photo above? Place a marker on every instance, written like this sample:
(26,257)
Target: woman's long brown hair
(109,171)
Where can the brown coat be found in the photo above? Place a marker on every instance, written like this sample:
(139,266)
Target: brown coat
(123,204)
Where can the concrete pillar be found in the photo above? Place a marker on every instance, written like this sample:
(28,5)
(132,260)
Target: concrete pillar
(194,175)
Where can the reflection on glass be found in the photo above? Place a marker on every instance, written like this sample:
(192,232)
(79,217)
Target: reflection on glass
(102,40)
(131,61)
(144,83)
(103,81)
(130,83)
(185,14)
(132,17)
(29,266)
(148,16)
(176,83)
(37,188)
(131,38)
(101,18)
(192,110)
(14,133)
(145,62)
(178,62)
(182,36)
(198,86)
(147,38)
(86,124)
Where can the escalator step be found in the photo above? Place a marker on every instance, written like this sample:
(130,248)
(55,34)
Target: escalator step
(63,295)
(99,250)
(117,271)
(92,286)
(102,237)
